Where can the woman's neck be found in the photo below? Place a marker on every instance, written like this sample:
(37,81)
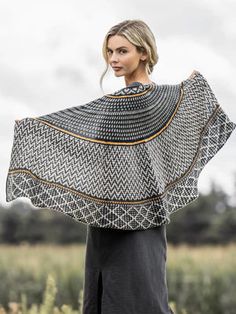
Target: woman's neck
(144,79)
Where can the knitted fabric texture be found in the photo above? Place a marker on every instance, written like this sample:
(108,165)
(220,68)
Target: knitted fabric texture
(126,160)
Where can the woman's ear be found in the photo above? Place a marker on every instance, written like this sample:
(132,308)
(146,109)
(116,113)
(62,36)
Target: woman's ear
(143,53)
(144,56)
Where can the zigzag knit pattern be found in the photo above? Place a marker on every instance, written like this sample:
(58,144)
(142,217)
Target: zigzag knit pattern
(126,160)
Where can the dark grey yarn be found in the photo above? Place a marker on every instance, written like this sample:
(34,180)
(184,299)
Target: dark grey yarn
(126,160)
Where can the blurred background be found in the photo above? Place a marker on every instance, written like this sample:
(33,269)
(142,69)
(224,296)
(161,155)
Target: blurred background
(50,59)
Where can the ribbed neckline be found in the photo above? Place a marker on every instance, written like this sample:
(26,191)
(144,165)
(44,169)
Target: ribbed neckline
(136,83)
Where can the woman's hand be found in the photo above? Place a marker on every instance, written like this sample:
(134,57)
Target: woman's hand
(193,73)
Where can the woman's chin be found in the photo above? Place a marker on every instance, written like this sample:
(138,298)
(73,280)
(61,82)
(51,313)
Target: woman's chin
(118,74)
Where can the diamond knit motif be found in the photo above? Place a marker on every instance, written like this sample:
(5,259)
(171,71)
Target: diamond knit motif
(126,160)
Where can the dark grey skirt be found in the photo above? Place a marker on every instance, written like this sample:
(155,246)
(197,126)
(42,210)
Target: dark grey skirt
(125,271)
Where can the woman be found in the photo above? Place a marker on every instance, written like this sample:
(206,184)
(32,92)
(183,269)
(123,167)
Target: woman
(125,271)
(122,164)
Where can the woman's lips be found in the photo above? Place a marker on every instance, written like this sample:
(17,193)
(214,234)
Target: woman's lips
(117,68)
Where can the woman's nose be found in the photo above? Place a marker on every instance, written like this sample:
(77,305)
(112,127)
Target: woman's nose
(114,57)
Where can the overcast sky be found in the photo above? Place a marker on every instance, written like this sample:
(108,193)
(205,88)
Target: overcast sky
(50,59)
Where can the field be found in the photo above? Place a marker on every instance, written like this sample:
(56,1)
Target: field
(201,280)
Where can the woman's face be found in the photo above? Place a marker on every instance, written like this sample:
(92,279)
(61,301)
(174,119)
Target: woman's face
(123,56)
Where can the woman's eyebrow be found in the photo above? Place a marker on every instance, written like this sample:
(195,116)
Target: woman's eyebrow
(117,48)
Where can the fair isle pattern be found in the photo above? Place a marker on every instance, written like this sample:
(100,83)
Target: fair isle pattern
(126,160)
(117,118)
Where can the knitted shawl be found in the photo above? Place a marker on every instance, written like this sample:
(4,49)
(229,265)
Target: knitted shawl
(126,160)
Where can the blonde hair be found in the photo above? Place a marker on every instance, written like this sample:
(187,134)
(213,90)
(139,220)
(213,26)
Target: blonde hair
(140,35)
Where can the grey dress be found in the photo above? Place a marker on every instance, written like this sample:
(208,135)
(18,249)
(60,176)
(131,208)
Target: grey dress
(125,271)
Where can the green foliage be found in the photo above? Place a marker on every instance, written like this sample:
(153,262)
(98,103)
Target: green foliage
(48,305)
(200,279)
(210,219)
(23,223)
(24,269)
(203,280)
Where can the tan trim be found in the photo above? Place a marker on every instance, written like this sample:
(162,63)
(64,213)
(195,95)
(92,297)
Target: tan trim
(120,143)
(198,150)
(126,202)
(73,190)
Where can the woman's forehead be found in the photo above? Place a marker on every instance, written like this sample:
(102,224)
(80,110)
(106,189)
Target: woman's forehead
(118,41)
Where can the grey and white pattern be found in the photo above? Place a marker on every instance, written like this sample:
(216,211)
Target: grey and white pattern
(126,160)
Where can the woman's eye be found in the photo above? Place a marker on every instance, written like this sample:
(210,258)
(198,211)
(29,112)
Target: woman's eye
(121,51)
